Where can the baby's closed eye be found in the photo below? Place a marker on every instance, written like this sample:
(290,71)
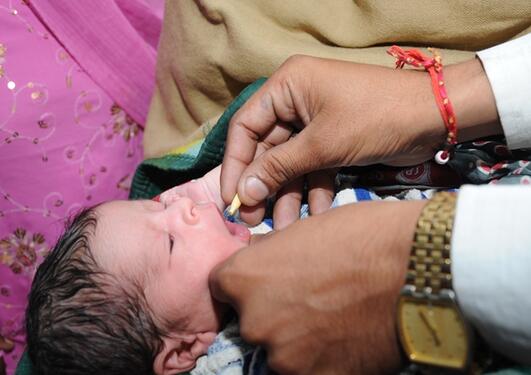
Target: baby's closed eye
(171,242)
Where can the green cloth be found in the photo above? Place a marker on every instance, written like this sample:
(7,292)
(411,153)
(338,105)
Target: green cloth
(24,366)
(156,175)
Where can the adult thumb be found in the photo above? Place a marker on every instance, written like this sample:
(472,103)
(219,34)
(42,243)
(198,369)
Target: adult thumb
(276,167)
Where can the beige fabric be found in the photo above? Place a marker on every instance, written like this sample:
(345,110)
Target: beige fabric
(211,49)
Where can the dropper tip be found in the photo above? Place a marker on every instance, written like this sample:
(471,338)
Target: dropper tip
(235,205)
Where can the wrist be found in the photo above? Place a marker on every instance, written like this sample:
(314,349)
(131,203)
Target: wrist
(388,257)
(407,222)
(474,104)
(472,99)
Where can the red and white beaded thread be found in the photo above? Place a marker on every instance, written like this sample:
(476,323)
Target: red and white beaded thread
(433,65)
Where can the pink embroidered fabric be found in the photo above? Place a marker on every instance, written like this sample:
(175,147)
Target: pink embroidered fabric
(75,82)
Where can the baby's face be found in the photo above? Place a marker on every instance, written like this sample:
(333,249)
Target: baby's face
(169,249)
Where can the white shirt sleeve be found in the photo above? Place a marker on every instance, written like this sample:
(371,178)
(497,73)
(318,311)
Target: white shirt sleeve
(491,265)
(508,68)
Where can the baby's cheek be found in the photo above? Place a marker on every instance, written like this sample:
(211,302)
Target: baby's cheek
(170,196)
(196,191)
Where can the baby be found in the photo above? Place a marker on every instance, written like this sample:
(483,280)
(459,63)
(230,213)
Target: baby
(126,288)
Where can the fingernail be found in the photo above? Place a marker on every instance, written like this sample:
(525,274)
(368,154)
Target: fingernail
(256,189)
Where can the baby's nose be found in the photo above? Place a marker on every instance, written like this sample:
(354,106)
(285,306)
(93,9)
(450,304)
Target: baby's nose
(183,207)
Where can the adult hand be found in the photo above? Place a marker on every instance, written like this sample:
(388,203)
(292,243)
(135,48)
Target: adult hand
(347,114)
(323,299)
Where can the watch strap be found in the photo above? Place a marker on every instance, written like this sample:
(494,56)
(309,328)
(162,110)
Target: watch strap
(429,269)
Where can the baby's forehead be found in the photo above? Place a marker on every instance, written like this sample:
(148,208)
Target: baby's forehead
(114,220)
(121,241)
(119,215)
(118,207)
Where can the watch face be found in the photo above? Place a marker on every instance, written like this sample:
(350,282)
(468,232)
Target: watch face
(433,333)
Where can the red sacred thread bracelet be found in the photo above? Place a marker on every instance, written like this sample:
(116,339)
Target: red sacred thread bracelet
(434,67)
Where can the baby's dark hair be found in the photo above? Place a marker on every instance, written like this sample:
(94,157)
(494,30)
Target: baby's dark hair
(81,320)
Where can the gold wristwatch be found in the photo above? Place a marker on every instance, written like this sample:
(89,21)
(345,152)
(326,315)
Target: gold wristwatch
(431,326)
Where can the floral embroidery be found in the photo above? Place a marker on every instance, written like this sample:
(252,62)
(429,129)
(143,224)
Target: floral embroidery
(20,249)
(6,344)
(123,125)
(55,123)
(125,182)
(3,50)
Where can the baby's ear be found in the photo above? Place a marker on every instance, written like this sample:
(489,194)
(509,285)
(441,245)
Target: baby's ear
(179,353)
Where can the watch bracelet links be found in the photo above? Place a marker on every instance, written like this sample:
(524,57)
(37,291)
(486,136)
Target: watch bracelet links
(429,269)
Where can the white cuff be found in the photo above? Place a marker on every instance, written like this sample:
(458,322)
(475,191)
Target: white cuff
(508,68)
(491,265)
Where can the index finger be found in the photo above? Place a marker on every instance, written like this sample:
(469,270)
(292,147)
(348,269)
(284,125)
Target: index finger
(251,124)
(246,128)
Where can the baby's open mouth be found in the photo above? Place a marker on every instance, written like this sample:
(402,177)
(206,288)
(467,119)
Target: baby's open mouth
(238,230)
